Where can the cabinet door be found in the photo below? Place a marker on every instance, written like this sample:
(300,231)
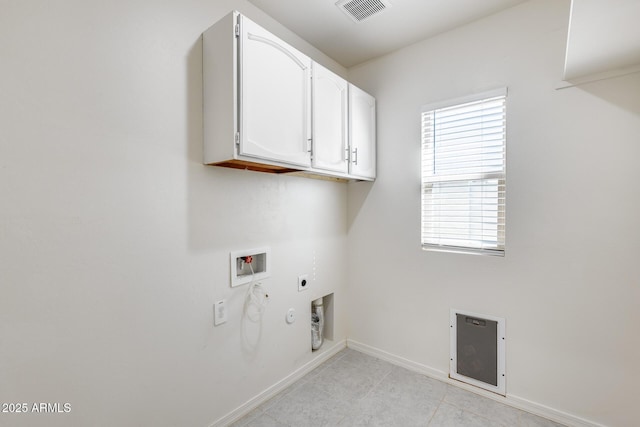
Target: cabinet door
(362,133)
(275,98)
(330,118)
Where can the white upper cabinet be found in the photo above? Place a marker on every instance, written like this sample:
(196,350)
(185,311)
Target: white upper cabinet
(330,120)
(362,133)
(275,98)
(261,104)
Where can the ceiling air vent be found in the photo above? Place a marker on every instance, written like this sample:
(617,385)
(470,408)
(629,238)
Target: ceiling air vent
(359,10)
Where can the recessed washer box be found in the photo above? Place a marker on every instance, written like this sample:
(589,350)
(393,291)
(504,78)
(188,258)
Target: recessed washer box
(243,271)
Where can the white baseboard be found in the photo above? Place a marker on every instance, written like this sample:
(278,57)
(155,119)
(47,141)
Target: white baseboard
(399,361)
(511,400)
(258,400)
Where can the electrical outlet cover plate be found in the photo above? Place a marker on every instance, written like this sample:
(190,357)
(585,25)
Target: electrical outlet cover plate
(303,282)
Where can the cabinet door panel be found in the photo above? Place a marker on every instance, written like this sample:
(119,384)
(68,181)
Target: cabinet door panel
(362,130)
(275,98)
(330,117)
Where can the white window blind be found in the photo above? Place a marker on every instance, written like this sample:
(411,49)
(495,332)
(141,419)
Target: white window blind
(463,174)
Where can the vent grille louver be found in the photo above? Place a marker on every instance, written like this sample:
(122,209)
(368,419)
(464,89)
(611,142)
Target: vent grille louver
(359,10)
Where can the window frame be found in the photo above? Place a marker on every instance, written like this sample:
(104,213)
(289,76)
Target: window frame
(432,179)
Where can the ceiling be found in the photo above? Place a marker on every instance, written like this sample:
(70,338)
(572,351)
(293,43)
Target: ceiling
(325,26)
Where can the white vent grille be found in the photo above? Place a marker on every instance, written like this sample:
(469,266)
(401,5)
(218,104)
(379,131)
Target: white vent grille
(359,10)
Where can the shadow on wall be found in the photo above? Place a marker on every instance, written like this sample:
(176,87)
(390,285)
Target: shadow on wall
(194,102)
(620,91)
(357,197)
(227,207)
(221,200)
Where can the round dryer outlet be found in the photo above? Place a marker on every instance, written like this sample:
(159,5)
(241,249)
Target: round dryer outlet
(291,315)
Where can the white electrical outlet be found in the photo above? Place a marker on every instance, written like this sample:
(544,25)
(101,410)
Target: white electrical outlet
(303,282)
(220,314)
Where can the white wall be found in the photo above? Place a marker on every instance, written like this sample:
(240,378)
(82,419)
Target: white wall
(569,284)
(115,239)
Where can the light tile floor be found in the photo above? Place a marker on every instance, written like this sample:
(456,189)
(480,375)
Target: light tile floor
(354,389)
